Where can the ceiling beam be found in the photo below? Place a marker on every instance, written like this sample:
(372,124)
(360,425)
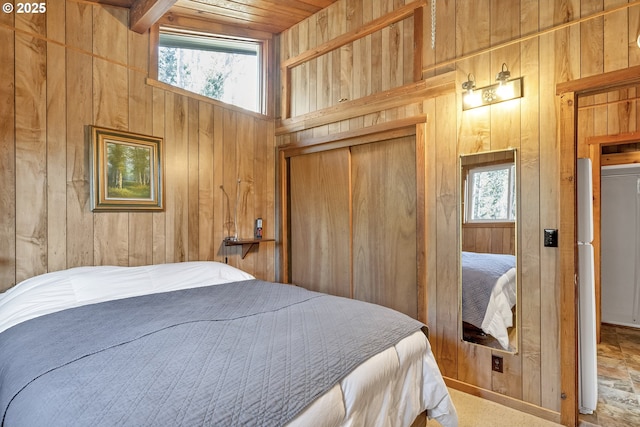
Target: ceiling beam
(145,13)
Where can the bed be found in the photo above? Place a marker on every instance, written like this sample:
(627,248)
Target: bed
(203,343)
(489,293)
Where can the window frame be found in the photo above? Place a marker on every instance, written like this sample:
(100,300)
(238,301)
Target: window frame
(192,27)
(511,195)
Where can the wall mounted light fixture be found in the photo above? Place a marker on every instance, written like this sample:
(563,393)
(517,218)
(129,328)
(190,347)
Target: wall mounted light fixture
(505,90)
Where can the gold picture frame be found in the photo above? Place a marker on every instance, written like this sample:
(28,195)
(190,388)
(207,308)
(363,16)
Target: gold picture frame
(126,171)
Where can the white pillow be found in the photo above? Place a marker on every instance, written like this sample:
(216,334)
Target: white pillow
(78,286)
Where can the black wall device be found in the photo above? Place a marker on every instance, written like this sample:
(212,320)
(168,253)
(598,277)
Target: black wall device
(550,238)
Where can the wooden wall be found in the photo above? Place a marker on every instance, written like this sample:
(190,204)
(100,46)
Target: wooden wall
(79,65)
(546,42)
(495,239)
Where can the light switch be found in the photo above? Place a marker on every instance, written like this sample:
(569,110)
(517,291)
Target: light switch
(550,238)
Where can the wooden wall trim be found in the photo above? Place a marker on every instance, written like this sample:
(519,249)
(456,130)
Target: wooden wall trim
(154,45)
(283,192)
(568,256)
(600,83)
(411,9)
(601,101)
(404,95)
(379,132)
(144,13)
(348,37)
(418,43)
(620,138)
(351,141)
(202,98)
(421,221)
(174,20)
(569,93)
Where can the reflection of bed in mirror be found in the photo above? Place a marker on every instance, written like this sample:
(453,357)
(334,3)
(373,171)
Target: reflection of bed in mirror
(488,296)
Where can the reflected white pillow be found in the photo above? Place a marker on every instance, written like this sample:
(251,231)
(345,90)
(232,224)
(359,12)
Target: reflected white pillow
(78,286)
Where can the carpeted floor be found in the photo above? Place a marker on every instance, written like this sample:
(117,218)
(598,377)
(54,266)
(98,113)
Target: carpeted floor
(618,390)
(476,412)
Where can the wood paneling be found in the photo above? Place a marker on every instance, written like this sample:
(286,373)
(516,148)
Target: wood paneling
(320,222)
(496,240)
(346,203)
(30,147)
(56,139)
(79,220)
(7,157)
(549,44)
(384,216)
(260,15)
(80,66)
(388,58)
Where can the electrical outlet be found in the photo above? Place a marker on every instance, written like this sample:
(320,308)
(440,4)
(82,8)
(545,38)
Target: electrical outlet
(497,364)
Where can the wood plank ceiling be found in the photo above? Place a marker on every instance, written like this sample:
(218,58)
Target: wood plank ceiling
(272,16)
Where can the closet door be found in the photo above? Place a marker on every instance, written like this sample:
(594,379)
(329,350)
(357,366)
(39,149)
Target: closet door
(620,235)
(384,224)
(319,213)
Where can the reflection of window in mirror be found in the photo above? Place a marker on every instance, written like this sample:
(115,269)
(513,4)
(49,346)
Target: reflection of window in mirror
(490,194)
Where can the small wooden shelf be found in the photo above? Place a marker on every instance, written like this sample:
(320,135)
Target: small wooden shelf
(246,244)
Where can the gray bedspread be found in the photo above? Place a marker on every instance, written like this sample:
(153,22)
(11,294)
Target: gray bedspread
(250,353)
(480,272)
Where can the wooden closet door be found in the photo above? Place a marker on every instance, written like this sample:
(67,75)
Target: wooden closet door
(384,224)
(319,212)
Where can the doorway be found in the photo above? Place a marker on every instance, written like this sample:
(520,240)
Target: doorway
(571,146)
(620,240)
(619,345)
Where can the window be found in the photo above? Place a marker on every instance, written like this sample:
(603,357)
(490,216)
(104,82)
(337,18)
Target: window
(490,194)
(225,69)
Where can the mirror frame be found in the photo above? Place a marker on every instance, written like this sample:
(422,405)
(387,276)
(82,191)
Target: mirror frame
(514,341)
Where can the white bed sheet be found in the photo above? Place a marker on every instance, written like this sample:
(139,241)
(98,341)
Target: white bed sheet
(499,317)
(390,389)
(79,286)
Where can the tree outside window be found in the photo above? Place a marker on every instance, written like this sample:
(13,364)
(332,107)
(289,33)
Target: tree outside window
(222,69)
(490,195)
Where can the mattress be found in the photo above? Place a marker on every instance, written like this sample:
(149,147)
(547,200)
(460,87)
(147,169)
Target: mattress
(388,387)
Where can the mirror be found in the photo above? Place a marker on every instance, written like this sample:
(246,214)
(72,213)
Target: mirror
(488,264)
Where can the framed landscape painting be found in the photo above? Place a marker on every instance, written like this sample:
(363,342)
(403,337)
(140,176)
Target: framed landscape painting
(126,171)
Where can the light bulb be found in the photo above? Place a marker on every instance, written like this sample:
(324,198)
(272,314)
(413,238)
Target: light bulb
(505,90)
(472,99)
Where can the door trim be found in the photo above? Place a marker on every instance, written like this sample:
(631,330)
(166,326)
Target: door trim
(569,92)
